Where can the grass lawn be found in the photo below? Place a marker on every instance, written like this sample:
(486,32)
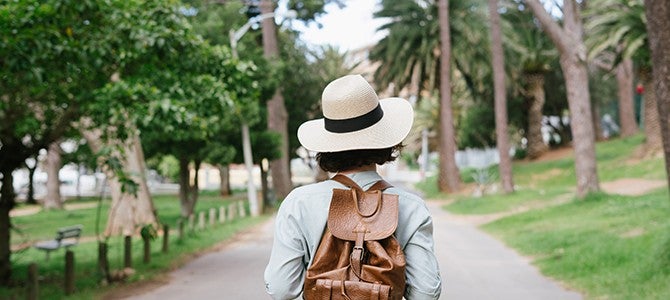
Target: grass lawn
(605,246)
(43,225)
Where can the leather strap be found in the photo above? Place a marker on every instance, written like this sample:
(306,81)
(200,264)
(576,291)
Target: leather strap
(346,181)
(328,284)
(374,295)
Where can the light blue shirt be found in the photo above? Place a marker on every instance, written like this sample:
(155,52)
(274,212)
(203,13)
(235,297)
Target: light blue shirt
(301,221)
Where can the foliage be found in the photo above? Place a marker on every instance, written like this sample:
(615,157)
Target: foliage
(618,26)
(413,41)
(475,127)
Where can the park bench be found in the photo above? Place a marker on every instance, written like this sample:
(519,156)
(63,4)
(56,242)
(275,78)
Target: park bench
(65,237)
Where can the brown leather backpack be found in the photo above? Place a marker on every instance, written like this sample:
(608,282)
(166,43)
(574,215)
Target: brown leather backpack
(358,257)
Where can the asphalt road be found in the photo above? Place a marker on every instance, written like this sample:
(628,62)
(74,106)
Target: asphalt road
(473,266)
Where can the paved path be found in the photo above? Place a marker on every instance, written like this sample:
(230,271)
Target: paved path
(473,264)
(477,266)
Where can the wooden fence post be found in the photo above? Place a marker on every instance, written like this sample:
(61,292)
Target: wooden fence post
(201,220)
(232,211)
(127,252)
(103,262)
(33,282)
(166,238)
(147,250)
(222,214)
(212,217)
(243,212)
(191,222)
(69,272)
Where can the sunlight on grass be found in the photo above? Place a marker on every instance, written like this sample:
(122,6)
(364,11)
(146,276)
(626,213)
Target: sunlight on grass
(605,246)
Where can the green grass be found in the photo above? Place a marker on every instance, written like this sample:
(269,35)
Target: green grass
(43,226)
(610,247)
(605,246)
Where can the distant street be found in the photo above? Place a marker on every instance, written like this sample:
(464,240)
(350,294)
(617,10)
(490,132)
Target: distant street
(473,266)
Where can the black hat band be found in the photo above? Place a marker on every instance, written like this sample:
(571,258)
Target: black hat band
(354,124)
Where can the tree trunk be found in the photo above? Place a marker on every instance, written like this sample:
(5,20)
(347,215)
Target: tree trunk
(224,174)
(652,126)
(184,188)
(569,41)
(6,204)
(658,29)
(502,139)
(277,114)
(53,198)
(536,144)
(127,212)
(30,197)
(624,78)
(449,179)
(195,188)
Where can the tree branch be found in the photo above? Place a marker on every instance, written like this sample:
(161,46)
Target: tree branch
(549,25)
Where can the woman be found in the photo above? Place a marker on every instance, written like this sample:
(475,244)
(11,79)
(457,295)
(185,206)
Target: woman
(358,132)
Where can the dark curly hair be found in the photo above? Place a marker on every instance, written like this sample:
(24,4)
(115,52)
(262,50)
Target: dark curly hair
(351,159)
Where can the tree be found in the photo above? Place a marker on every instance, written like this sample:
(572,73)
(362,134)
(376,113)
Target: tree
(569,41)
(276,108)
(619,27)
(531,56)
(657,13)
(43,91)
(505,165)
(449,179)
(624,76)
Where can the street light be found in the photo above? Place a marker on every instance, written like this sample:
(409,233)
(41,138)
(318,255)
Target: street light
(235,36)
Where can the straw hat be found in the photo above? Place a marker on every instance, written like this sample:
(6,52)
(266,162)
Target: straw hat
(355,118)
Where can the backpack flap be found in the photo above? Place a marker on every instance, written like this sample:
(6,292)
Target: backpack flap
(373,213)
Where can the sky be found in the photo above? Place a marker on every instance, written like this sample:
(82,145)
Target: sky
(349,28)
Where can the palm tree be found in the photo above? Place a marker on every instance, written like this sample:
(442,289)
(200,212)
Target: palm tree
(449,179)
(568,38)
(619,26)
(498,67)
(532,52)
(411,53)
(658,27)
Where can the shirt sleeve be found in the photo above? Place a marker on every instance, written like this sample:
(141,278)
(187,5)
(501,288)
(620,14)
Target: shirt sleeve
(422,271)
(284,274)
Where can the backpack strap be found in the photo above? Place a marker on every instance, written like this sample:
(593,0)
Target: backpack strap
(346,181)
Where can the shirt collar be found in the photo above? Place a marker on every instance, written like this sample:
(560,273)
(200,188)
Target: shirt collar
(365,179)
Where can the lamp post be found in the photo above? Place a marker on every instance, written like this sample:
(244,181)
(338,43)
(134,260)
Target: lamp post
(235,36)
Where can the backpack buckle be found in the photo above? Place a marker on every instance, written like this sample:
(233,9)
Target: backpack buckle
(360,251)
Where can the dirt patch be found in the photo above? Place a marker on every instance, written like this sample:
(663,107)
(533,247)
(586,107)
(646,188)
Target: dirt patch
(554,154)
(546,175)
(633,233)
(631,186)
(479,220)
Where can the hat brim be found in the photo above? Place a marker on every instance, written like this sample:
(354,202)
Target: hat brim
(387,132)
